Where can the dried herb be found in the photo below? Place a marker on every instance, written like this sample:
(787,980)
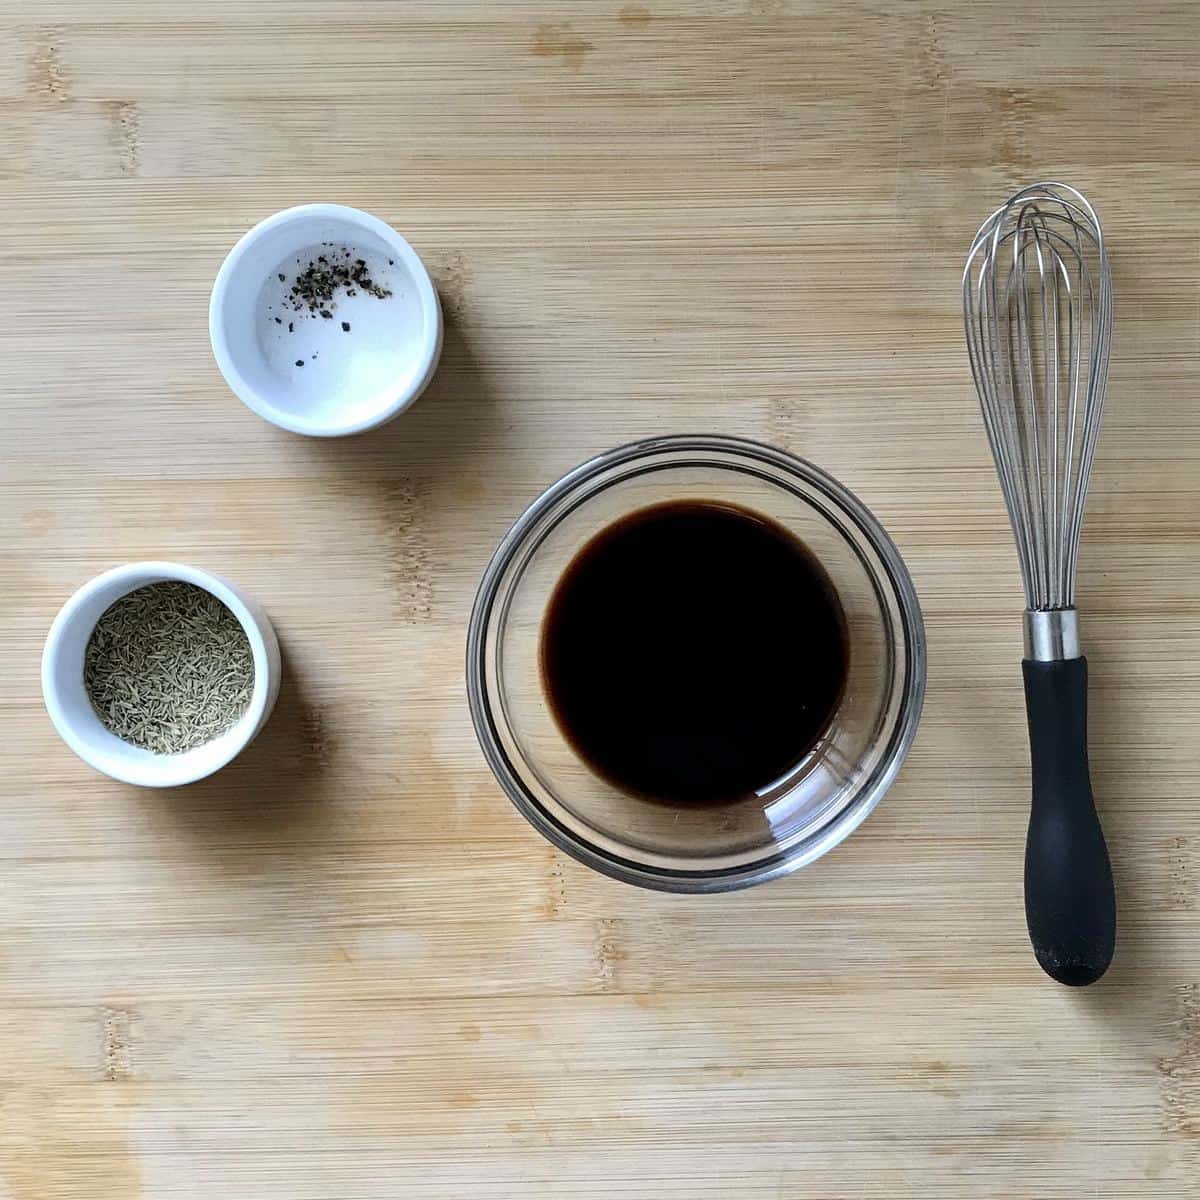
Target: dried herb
(168,667)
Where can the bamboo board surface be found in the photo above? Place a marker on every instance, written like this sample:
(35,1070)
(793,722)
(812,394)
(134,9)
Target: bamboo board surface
(344,967)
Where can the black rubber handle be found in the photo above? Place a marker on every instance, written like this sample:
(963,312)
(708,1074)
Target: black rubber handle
(1070,905)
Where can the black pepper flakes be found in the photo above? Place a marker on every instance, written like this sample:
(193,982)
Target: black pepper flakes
(345,326)
(299,362)
(315,287)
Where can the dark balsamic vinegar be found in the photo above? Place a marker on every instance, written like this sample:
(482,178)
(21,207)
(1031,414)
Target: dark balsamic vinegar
(693,652)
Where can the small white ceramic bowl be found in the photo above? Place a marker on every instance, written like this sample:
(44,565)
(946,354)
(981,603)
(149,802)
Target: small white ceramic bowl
(305,372)
(75,718)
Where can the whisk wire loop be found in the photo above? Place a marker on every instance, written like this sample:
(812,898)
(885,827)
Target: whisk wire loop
(1037,304)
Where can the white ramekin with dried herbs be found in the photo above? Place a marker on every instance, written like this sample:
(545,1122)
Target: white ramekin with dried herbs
(159,674)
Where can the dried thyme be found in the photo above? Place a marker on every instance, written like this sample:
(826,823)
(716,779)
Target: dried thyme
(168,667)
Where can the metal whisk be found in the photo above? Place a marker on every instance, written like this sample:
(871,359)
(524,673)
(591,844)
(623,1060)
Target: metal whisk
(1037,306)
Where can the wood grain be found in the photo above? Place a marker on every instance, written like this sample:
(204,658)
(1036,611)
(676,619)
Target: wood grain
(344,967)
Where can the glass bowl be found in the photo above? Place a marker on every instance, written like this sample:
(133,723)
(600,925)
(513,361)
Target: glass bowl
(715,847)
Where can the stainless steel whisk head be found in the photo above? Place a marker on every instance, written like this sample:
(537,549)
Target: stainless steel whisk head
(1037,305)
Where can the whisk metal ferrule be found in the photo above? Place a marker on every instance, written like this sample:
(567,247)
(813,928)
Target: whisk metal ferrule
(1051,635)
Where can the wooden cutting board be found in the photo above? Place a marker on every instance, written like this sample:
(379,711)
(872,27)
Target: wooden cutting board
(345,967)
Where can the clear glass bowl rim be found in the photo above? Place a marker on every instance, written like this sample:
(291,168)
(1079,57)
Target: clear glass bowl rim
(872,790)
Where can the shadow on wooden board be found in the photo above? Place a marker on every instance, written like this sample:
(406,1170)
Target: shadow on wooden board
(278,790)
